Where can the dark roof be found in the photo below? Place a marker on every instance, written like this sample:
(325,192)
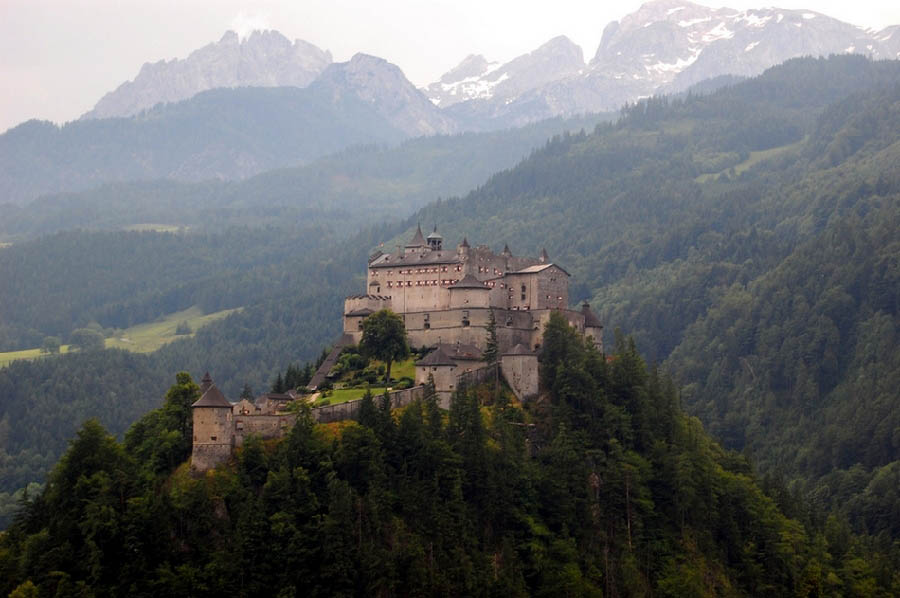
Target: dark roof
(436,357)
(278,396)
(465,242)
(506,250)
(469,282)
(434,234)
(418,240)
(413,259)
(590,318)
(212,398)
(461,351)
(364,311)
(205,383)
(519,349)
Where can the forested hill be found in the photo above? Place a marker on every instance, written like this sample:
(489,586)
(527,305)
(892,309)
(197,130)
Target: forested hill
(748,239)
(348,189)
(602,488)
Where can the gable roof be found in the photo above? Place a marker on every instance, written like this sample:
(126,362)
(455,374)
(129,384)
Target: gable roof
(213,397)
(540,268)
(435,358)
(469,282)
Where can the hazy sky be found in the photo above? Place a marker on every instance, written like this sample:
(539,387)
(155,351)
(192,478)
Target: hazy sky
(58,57)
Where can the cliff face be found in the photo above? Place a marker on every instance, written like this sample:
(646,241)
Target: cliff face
(264,59)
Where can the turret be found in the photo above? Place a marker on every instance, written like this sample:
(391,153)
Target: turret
(213,429)
(417,243)
(435,240)
(593,328)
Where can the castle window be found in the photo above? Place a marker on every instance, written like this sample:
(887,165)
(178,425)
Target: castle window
(212,438)
(509,321)
(459,268)
(444,269)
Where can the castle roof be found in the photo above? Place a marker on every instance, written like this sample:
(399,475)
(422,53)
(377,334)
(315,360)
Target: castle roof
(418,239)
(519,349)
(469,282)
(213,397)
(590,318)
(436,358)
(465,242)
(363,311)
(205,383)
(434,234)
(539,268)
(461,352)
(415,259)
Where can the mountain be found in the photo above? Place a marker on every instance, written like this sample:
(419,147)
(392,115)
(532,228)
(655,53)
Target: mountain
(475,78)
(385,88)
(221,133)
(264,59)
(665,46)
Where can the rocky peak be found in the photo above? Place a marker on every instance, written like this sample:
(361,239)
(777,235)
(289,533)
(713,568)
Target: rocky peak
(475,78)
(384,86)
(263,59)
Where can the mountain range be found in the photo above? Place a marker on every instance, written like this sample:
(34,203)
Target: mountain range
(236,108)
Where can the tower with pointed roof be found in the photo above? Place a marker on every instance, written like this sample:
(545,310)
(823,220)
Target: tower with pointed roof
(213,428)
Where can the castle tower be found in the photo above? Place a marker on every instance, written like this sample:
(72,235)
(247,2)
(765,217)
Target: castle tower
(520,368)
(417,243)
(593,328)
(435,240)
(205,383)
(213,429)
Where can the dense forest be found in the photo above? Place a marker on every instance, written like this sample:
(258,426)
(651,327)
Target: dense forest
(601,488)
(746,239)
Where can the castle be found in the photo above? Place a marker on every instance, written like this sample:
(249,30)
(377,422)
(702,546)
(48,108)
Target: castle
(446,299)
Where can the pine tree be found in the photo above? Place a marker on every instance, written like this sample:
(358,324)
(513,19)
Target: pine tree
(492,350)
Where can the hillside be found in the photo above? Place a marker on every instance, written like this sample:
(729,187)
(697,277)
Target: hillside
(719,230)
(747,239)
(603,488)
(344,190)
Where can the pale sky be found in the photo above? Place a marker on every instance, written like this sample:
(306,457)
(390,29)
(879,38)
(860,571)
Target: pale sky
(58,57)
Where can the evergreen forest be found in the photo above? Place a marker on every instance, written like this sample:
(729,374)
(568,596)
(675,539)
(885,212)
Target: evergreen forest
(744,239)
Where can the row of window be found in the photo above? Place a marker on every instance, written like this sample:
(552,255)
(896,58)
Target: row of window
(435,270)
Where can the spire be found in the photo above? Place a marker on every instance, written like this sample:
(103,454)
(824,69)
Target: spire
(506,251)
(418,239)
(465,243)
(544,257)
(205,383)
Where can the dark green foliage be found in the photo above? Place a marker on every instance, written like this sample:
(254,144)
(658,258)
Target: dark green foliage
(384,338)
(491,352)
(85,339)
(183,328)
(612,492)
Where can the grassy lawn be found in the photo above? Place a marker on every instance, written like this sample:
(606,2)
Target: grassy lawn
(9,356)
(143,338)
(348,394)
(148,337)
(754,159)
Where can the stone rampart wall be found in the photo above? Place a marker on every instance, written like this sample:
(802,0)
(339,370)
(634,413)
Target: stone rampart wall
(350,409)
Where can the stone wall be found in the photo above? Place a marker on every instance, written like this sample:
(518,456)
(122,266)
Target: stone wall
(350,409)
(521,373)
(264,426)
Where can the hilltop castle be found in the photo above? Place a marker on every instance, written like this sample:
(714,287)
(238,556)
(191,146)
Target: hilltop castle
(445,296)
(446,299)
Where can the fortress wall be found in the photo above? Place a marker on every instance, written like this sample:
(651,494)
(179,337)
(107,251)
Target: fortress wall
(350,409)
(521,372)
(265,426)
(208,456)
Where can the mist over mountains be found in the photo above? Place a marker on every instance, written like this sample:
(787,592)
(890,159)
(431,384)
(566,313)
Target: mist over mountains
(236,108)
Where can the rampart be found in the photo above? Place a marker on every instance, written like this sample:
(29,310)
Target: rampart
(350,409)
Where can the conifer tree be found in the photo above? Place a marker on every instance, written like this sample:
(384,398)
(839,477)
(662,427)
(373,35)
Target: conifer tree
(492,349)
